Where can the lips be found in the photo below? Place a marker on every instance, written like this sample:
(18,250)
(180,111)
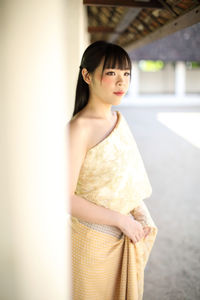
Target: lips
(119,93)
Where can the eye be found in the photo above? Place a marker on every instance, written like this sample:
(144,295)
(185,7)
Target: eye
(110,73)
(127,73)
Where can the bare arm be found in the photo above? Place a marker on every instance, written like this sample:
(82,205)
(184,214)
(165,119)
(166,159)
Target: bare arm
(92,213)
(80,207)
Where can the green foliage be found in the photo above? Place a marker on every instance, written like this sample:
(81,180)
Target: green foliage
(192,65)
(151,65)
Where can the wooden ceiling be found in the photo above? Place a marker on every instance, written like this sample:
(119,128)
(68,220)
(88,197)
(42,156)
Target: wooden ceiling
(133,24)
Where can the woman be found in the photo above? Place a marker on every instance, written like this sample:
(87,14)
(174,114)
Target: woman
(111,229)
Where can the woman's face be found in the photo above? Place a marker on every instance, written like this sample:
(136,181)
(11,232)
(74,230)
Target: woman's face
(110,86)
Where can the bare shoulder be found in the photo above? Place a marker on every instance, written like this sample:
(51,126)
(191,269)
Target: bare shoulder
(80,125)
(79,130)
(87,131)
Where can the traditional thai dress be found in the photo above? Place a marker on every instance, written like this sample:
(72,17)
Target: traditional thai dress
(106,264)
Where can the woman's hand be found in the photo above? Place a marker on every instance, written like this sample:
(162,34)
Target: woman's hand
(146,230)
(132,228)
(139,215)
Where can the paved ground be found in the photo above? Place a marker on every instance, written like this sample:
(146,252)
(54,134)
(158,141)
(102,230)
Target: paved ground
(173,166)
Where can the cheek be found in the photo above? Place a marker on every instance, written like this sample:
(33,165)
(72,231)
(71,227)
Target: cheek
(128,80)
(107,81)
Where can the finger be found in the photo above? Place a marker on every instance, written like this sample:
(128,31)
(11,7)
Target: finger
(134,240)
(137,238)
(147,230)
(141,236)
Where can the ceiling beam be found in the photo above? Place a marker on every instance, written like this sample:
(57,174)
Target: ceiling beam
(126,3)
(188,19)
(128,17)
(101,29)
(168,8)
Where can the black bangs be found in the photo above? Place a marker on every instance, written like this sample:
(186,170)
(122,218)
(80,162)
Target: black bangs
(116,58)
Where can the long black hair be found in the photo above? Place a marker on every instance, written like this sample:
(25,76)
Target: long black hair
(114,57)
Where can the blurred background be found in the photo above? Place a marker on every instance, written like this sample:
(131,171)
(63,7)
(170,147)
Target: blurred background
(42,43)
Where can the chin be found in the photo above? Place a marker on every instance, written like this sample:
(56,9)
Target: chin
(118,101)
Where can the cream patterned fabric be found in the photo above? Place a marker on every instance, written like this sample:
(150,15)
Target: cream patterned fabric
(106,265)
(113,174)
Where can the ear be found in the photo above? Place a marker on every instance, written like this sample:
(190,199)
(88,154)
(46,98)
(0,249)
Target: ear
(86,76)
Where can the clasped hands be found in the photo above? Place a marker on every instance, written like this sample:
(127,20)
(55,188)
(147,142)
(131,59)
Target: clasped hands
(140,216)
(136,228)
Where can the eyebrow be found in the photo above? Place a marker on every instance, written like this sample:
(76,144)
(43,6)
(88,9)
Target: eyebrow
(117,69)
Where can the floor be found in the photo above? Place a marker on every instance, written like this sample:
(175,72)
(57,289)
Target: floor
(168,140)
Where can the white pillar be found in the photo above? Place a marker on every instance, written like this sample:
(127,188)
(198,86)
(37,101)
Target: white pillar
(134,85)
(78,37)
(37,84)
(180,75)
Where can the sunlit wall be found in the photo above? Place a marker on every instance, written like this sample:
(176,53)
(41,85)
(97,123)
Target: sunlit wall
(41,46)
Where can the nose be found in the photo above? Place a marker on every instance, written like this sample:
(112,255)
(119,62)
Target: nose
(120,80)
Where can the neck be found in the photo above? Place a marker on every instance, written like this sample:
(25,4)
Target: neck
(99,109)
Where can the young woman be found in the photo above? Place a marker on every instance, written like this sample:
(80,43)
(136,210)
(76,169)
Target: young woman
(111,228)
